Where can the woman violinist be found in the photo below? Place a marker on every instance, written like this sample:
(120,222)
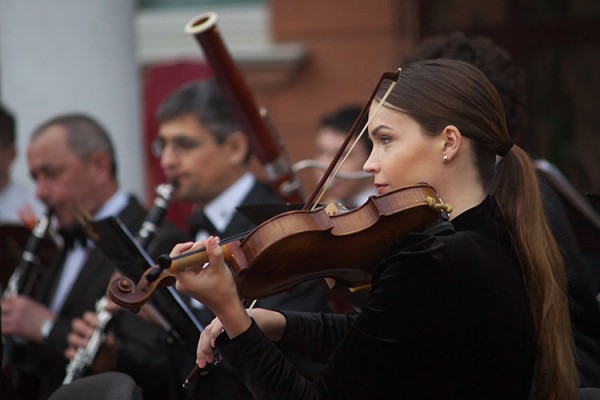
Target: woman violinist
(480,313)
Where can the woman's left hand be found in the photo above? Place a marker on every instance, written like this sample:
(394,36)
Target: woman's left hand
(213,285)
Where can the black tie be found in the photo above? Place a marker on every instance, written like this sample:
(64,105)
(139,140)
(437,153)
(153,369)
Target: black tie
(72,236)
(198,221)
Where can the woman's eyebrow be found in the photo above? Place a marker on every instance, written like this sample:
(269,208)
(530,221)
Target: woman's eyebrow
(374,132)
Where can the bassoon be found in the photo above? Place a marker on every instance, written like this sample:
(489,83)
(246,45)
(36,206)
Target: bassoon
(265,142)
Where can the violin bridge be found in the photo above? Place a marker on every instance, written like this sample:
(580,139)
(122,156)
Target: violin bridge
(335,208)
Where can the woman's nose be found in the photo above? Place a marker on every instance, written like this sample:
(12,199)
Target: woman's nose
(371,165)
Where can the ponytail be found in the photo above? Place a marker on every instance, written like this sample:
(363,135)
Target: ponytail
(458,93)
(556,375)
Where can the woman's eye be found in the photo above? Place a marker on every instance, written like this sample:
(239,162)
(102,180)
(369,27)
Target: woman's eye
(385,139)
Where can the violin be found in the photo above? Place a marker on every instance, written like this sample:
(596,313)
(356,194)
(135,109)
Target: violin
(297,246)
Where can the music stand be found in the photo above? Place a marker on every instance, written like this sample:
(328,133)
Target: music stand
(116,241)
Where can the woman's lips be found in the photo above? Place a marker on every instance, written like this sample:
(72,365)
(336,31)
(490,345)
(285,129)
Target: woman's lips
(381,189)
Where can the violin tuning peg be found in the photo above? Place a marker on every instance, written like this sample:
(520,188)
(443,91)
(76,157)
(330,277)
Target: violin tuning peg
(164,261)
(153,274)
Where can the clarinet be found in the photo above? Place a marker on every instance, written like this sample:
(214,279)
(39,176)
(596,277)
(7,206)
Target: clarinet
(85,356)
(164,193)
(21,282)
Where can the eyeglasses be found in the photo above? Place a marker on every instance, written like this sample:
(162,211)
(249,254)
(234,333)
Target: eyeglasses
(179,144)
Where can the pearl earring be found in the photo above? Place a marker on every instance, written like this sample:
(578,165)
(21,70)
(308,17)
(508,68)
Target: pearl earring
(446,158)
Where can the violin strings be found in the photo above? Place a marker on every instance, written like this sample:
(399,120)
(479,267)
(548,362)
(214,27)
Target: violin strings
(339,166)
(359,136)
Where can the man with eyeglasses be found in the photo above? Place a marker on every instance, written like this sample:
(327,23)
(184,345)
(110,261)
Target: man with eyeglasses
(203,151)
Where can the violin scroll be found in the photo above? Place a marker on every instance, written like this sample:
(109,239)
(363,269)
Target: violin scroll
(127,294)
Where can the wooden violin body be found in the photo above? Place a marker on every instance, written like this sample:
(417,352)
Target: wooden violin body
(296,246)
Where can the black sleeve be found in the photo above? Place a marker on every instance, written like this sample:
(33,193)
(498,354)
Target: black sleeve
(302,328)
(262,368)
(369,340)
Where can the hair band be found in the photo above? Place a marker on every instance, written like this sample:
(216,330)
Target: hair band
(505,148)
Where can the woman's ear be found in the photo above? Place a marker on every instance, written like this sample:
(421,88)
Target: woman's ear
(452,140)
(236,147)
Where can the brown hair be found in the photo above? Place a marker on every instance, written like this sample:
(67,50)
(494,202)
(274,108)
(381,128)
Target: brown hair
(441,92)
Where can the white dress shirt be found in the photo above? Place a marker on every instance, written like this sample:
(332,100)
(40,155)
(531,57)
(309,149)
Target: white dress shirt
(221,209)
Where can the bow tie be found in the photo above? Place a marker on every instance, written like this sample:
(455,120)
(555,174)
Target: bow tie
(198,221)
(73,236)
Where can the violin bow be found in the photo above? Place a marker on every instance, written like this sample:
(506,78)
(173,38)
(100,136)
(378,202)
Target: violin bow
(342,155)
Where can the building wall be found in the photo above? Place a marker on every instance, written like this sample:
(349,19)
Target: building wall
(79,57)
(349,45)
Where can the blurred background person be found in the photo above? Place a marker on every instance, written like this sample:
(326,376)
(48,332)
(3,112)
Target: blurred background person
(72,160)
(204,152)
(333,130)
(348,191)
(202,148)
(15,199)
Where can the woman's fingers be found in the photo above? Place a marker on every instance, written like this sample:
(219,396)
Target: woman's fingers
(204,352)
(206,343)
(213,250)
(180,248)
(216,331)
